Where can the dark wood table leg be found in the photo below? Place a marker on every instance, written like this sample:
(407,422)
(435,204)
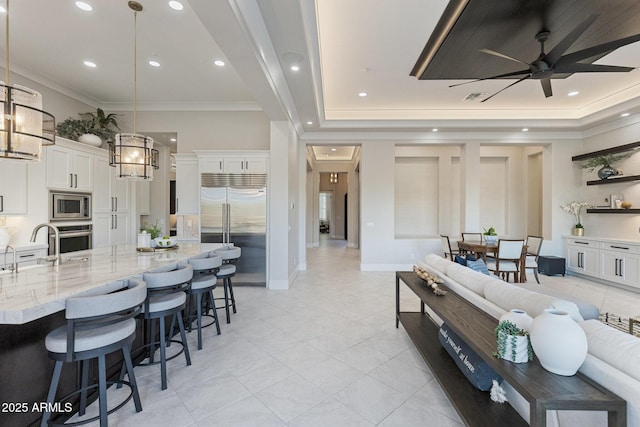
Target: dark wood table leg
(537,415)
(617,418)
(397,301)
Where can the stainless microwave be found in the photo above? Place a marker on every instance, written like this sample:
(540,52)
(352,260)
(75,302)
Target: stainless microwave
(70,206)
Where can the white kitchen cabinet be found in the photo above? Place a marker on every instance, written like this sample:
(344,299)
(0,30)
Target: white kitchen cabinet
(620,263)
(187,185)
(583,257)
(227,162)
(212,165)
(111,202)
(13,191)
(245,165)
(68,168)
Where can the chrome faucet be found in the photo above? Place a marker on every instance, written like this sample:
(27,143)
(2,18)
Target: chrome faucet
(56,257)
(14,265)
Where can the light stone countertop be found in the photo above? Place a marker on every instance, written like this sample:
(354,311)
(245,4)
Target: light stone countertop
(38,291)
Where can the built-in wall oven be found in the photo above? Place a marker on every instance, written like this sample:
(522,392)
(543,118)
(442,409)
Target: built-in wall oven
(72,238)
(69,206)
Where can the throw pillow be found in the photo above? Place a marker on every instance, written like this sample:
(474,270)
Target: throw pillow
(471,257)
(460,260)
(479,266)
(470,364)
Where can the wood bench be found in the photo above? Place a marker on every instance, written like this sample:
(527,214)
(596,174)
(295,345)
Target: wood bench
(542,389)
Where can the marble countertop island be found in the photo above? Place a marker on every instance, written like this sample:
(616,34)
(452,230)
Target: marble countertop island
(38,291)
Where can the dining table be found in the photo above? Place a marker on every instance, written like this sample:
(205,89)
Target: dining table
(481,249)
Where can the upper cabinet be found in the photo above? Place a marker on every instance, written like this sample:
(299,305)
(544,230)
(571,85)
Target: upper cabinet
(69,168)
(13,192)
(245,164)
(187,185)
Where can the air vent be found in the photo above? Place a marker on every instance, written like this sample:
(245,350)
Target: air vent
(475,96)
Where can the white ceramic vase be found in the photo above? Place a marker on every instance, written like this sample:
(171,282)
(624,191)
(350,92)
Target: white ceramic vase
(90,139)
(518,317)
(559,342)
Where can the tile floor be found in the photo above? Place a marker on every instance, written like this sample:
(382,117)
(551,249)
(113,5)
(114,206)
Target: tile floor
(324,353)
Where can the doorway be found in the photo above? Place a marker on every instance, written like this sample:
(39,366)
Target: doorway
(325,209)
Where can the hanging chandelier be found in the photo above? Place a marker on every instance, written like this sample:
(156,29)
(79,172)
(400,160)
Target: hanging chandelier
(24,126)
(333,178)
(133,154)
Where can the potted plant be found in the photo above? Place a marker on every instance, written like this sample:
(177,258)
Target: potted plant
(575,209)
(490,235)
(91,128)
(605,164)
(513,343)
(153,230)
(103,125)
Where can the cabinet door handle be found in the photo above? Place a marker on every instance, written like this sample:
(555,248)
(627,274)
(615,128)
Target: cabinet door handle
(177,205)
(116,209)
(75,175)
(220,165)
(71,180)
(26,256)
(581,243)
(246,164)
(1,203)
(620,267)
(619,247)
(115,217)
(616,267)
(580,264)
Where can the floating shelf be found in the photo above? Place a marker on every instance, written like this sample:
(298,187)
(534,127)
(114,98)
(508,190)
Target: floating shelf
(614,180)
(612,150)
(613,211)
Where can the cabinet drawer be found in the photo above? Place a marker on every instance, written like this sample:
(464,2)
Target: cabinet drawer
(621,247)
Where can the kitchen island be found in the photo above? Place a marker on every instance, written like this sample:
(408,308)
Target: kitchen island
(32,304)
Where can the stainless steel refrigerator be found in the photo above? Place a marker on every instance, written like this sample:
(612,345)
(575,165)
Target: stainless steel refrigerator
(233,209)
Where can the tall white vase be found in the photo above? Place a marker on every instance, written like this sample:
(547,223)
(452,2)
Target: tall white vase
(559,342)
(518,317)
(4,237)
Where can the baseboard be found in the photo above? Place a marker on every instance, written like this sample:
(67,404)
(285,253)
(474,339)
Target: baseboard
(281,285)
(386,267)
(352,245)
(293,276)
(302,266)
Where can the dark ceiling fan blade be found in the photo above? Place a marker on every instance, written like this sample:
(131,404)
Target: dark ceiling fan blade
(591,68)
(546,87)
(503,89)
(515,73)
(558,50)
(596,50)
(502,55)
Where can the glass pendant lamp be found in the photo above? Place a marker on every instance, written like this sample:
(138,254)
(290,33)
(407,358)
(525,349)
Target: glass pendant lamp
(24,126)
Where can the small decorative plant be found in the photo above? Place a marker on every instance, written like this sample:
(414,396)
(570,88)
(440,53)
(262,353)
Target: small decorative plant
(98,123)
(575,209)
(513,343)
(607,160)
(153,230)
(490,232)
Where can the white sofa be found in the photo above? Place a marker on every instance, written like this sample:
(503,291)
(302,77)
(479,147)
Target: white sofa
(613,358)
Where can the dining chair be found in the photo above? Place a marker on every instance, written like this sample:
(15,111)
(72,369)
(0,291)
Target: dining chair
(472,237)
(534,243)
(446,248)
(508,259)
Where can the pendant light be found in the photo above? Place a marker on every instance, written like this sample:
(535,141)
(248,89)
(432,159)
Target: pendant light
(132,154)
(24,126)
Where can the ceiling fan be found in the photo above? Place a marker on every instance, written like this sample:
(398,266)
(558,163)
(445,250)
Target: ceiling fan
(556,62)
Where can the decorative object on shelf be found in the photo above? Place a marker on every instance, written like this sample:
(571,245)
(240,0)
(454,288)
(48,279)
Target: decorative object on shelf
(144,239)
(153,230)
(5,238)
(490,235)
(133,154)
(626,204)
(164,242)
(92,128)
(615,201)
(575,209)
(559,342)
(512,343)
(605,164)
(25,126)
(431,279)
(518,317)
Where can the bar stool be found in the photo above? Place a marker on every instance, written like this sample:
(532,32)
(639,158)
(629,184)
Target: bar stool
(96,326)
(229,255)
(166,296)
(203,283)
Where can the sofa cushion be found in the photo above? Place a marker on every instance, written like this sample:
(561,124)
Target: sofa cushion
(618,349)
(437,262)
(467,277)
(586,309)
(509,297)
(470,364)
(460,260)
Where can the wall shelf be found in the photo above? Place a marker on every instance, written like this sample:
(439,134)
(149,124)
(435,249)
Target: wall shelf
(614,180)
(613,211)
(612,150)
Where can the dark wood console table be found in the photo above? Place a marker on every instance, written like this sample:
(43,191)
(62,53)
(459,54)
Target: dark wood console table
(542,389)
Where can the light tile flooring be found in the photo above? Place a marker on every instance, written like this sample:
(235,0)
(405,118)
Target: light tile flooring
(324,353)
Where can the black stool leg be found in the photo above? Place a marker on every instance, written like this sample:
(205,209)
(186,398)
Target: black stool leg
(212,301)
(233,300)
(84,385)
(102,386)
(152,340)
(163,354)
(126,353)
(226,299)
(55,379)
(184,338)
(199,316)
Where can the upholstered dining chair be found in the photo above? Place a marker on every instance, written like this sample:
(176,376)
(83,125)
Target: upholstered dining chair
(446,247)
(508,259)
(472,237)
(534,243)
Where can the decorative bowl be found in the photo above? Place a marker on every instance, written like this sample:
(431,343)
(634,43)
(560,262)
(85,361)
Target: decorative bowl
(165,243)
(492,240)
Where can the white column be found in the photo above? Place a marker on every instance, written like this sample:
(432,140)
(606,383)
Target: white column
(278,212)
(471,186)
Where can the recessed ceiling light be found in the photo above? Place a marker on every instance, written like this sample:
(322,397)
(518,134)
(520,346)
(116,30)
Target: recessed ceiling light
(574,93)
(2,9)
(154,63)
(295,68)
(176,5)
(219,63)
(90,64)
(624,115)
(172,139)
(309,122)
(334,149)
(363,94)
(84,6)
(525,129)
(434,130)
